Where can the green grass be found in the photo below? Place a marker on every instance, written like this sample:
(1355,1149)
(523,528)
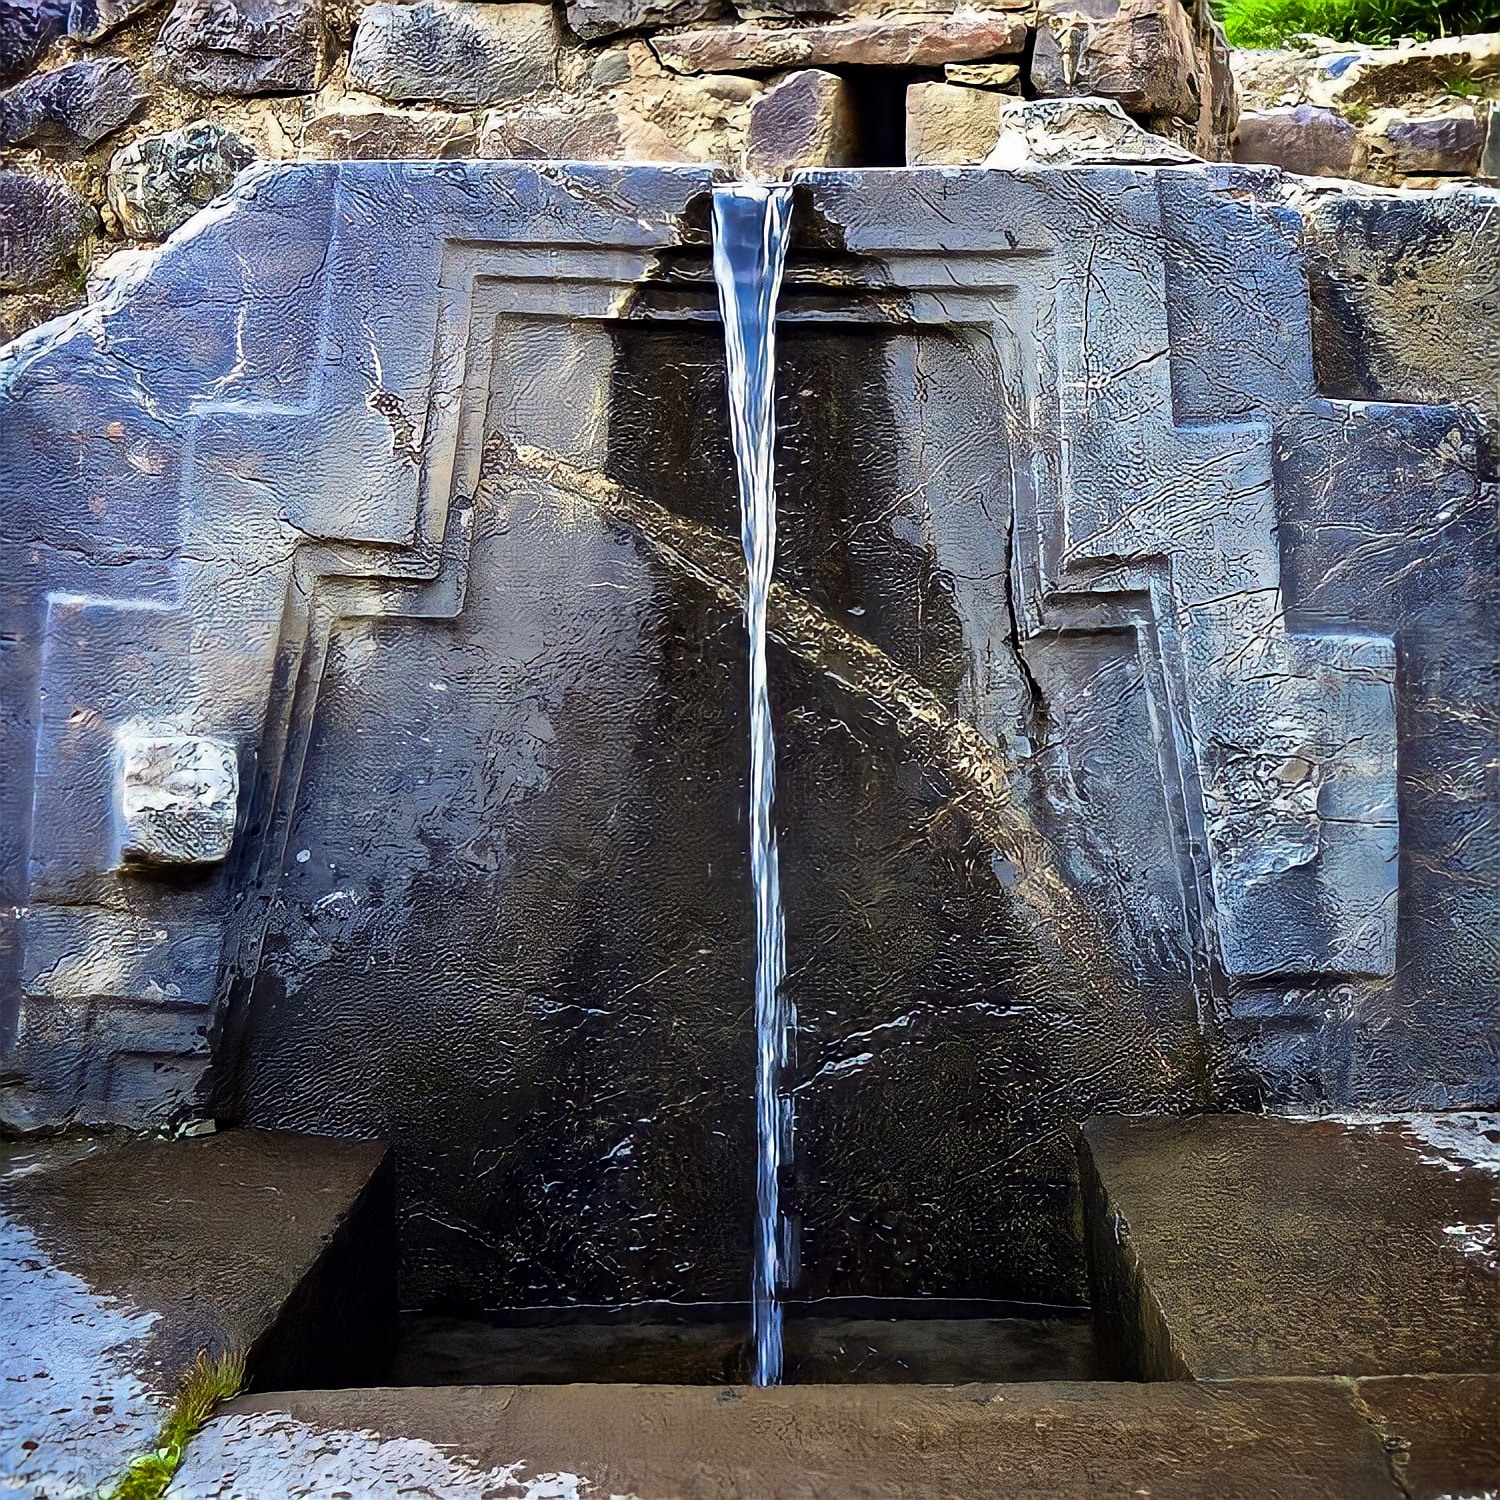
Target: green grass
(1271,23)
(211,1379)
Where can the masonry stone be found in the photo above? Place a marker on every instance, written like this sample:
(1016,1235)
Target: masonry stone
(244,47)
(806,119)
(1141,53)
(950,124)
(27,29)
(179,797)
(43,223)
(73,106)
(1074,132)
(92,20)
(157,183)
(455,52)
(593,19)
(366,132)
(962,35)
(1316,142)
(1400,145)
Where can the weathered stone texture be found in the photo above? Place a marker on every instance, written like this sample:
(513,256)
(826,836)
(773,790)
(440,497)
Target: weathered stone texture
(27,29)
(1034,1441)
(803,120)
(455,52)
(1300,138)
(179,798)
(73,106)
(946,123)
(360,132)
(241,47)
(1399,146)
(160,181)
(869,41)
(1236,1246)
(593,19)
(338,393)
(91,20)
(1074,132)
(43,223)
(1141,53)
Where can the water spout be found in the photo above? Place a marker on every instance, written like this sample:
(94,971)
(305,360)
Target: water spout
(750,235)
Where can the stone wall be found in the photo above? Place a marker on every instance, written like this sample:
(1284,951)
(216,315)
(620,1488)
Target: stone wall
(121,117)
(1417,115)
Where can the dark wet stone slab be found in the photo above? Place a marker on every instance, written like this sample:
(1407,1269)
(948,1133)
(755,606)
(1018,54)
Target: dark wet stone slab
(121,1260)
(1023,1442)
(1441,1431)
(1226,1246)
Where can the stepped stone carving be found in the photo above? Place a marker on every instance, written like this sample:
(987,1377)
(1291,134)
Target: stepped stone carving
(372,565)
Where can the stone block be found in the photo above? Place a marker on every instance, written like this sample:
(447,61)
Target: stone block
(159,182)
(950,125)
(555,131)
(1384,75)
(593,19)
(1036,1440)
(357,132)
(73,106)
(1399,145)
(1141,53)
(27,29)
(1003,76)
(91,20)
(803,120)
(179,797)
(1303,138)
(903,41)
(243,47)
(1227,1246)
(124,1259)
(455,52)
(1074,132)
(43,224)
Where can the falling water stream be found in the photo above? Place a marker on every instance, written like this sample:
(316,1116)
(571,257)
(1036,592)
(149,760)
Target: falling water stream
(750,235)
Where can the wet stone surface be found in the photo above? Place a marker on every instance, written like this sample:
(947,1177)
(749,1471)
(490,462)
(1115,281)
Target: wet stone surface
(120,1261)
(1231,1246)
(1083,1441)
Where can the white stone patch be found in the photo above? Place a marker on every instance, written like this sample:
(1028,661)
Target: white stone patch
(178,797)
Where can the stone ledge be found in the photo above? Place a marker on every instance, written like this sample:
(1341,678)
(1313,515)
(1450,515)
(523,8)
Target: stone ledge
(1232,1246)
(121,1259)
(1067,1441)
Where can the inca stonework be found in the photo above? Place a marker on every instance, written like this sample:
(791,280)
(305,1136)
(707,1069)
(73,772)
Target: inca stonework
(374,747)
(120,118)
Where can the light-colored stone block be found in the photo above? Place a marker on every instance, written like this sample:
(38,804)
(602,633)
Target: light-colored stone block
(178,798)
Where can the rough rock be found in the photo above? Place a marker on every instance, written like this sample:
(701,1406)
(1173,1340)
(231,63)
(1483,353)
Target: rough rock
(1075,132)
(43,223)
(1003,76)
(1489,159)
(803,120)
(1142,53)
(1400,145)
(161,181)
(243,47)
(360,132)
(455,52)
(915,41)
(27,29)
(73,106)
(947,125)
(1303,138)
(592,19)
(89,20)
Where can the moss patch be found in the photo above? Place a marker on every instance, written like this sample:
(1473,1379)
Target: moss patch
(210,1380)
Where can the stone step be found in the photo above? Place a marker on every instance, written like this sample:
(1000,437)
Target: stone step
(1340,1440)
(121,1260)
(1229,1246)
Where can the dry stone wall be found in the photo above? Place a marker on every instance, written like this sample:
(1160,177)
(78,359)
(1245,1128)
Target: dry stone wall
(1414,116)
(120,118)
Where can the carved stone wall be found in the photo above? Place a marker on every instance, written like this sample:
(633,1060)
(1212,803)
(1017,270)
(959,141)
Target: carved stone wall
(374,696)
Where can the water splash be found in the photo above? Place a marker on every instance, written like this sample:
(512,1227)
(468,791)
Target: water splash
(750,236)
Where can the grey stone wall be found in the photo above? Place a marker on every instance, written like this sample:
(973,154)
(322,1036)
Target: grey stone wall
(119,118)
(374,682)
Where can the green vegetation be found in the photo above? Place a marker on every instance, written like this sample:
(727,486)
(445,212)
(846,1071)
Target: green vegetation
(1271,23)
(209,1381)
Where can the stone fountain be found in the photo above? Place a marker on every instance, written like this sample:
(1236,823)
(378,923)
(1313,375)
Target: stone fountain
(377,750)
